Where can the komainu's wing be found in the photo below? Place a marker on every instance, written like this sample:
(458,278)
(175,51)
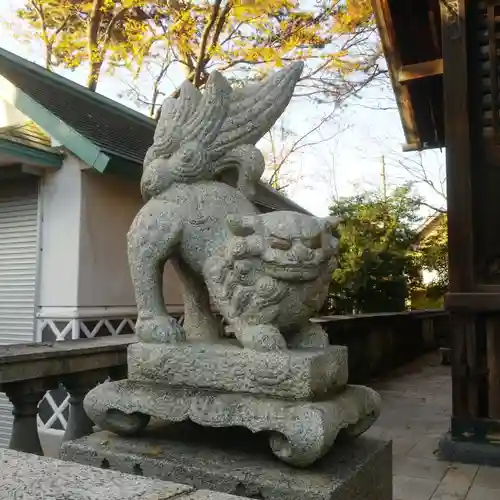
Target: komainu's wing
(221,118)
(174,114)
(254,109)
(191,117)
(205,123)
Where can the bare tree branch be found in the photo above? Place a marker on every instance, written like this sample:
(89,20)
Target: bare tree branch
(280,159)
(416,169)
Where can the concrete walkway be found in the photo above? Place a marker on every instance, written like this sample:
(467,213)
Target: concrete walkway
(416,409)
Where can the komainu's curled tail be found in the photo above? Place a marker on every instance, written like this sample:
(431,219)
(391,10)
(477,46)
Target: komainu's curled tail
(199,136)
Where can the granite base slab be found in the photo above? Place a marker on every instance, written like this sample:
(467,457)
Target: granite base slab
(237,462)
(289,374)
(31,477)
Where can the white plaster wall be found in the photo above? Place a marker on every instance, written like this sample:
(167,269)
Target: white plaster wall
(109,204)
(9,115)
(60,205)
(83,263)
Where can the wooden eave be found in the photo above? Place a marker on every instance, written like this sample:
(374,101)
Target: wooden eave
(410,33)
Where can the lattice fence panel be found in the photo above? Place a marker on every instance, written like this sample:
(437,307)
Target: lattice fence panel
(53,410)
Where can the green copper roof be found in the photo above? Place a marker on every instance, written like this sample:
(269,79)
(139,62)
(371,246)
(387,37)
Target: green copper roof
(29,154)
(103,133)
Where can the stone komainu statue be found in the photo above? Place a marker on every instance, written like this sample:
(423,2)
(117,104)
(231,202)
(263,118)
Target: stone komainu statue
(267,275)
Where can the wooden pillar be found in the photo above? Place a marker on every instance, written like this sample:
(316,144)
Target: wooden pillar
(458,166)
(471,58)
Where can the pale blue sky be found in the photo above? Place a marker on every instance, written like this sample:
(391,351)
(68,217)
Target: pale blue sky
(338,167)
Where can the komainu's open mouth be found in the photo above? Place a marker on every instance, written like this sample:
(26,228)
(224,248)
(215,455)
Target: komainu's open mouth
(292,272)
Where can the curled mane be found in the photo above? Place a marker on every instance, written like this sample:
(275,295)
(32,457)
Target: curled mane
(238,283)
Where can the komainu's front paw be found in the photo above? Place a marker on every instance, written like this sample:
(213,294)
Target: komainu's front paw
(261,338)
(311,336)
(159,329)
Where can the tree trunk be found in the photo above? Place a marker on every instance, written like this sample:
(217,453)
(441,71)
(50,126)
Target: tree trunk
(95,61)
(48,57)
(93,76)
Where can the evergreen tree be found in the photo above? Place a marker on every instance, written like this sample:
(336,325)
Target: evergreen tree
(378,265)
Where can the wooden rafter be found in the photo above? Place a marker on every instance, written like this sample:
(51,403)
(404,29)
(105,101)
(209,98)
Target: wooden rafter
(387,32)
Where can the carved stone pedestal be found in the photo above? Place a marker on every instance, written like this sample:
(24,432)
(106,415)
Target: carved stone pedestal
(300,398)
(300,432)
(238,462)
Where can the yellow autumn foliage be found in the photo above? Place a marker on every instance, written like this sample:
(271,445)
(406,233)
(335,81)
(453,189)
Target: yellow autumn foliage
(202,35)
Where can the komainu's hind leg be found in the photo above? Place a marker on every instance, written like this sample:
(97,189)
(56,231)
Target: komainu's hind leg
(199,320)
(152,238)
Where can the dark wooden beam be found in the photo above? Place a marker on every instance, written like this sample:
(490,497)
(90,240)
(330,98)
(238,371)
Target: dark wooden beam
(425,69)
(473,302)
(458,146)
